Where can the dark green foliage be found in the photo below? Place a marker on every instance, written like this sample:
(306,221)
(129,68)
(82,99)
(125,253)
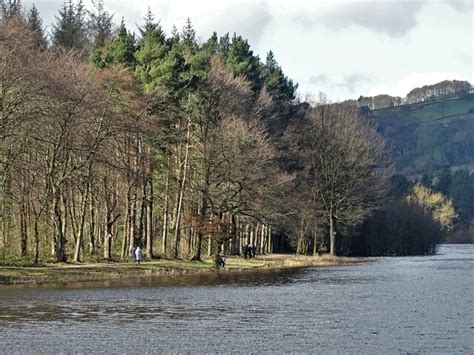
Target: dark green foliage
(35,23)
(188,36)
(461,190)
(151,52)
(174,38)
(399,186)
(444,181)
(120,50)
(151,29)
(241,60)
(399,229)
(211,46)
(70,30)
(459,186)
(426,180)
(100,24)
(224,46)
(278,85)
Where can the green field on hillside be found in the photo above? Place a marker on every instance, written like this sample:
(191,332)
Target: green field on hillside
(427,137)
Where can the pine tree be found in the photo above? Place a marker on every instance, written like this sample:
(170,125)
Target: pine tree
(35,23)
(81,26)
(152,28)
(241,61)
(70,29)
(122,48)
(152,49)
(189,34)
(212,44)
(100,24)
(174,38)
(280,87)
(224,46)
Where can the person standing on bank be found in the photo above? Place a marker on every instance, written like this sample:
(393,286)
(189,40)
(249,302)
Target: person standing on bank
(138,254)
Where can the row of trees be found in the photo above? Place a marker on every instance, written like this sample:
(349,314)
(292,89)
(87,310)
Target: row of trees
(76,26)
(445,89)
(83,151)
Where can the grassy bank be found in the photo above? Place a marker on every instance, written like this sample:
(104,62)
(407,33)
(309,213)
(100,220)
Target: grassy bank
(63,273)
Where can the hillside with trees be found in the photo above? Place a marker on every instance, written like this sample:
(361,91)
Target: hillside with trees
(432,142)
(428,137)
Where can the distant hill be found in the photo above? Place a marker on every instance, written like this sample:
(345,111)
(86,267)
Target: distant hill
(429,136)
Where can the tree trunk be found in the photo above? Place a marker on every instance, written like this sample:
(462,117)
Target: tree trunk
(23,229)
(109,232)
(315,240)
(131,226)
(80,236)
(181,192)
(59,224)
(200,234)
(164,234)
(332,237)
(209,247)
(270,241)
(36,237)
(149,215)
(92,224)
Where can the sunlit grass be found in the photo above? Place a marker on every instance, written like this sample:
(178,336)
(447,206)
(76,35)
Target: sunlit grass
(52,273)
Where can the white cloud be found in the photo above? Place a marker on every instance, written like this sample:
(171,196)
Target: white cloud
(394,18)
(348,82)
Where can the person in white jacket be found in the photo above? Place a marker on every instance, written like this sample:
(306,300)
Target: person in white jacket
(138,254)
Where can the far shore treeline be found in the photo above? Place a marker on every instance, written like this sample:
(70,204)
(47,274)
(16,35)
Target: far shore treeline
(111,139)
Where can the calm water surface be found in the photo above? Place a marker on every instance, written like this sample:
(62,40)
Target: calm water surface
(391,305)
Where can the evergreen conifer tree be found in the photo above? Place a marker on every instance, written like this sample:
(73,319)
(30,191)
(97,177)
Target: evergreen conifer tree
(188,34)
(70,30)
(35,23)
(151,51)
(278,85)
(241,60)
(100,24)
(122,48)
(174,38)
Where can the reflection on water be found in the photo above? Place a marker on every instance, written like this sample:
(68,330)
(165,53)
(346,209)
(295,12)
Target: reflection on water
(391,305)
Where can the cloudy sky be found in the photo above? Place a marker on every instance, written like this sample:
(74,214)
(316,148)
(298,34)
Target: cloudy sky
(344,48)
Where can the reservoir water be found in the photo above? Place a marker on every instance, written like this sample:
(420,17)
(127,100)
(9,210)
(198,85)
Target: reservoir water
(388,305)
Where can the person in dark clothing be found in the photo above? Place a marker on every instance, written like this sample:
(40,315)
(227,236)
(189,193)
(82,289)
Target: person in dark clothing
(220,261)
(245,250)
(254,250)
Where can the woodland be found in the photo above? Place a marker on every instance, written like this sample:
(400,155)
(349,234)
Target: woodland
(111,139)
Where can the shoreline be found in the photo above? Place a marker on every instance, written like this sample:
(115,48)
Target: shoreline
(90,272)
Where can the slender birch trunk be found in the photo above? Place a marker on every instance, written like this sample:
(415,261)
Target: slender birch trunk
(164,233)
(181,191)
(149,215)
